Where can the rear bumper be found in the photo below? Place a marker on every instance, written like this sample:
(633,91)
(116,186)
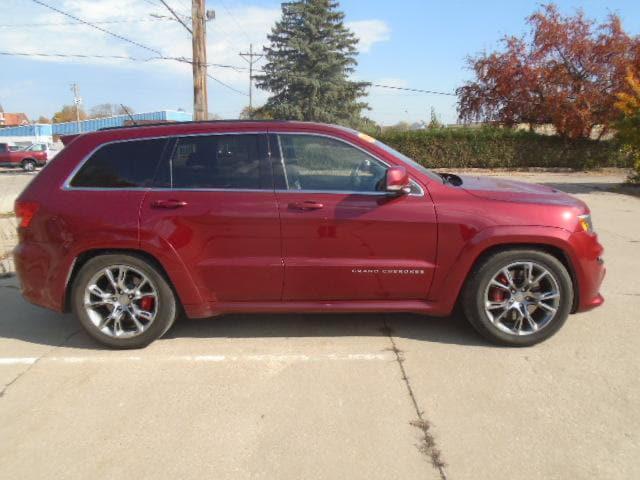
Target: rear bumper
(41,274)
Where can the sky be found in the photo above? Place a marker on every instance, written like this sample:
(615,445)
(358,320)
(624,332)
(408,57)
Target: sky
(419,44)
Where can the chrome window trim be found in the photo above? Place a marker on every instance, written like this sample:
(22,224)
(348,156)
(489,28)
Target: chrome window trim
(341,192)
(67,183)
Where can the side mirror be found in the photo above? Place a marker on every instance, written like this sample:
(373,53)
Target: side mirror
(397,181)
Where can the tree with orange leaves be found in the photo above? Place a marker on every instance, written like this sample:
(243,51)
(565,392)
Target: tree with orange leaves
(565,73)
(628,129)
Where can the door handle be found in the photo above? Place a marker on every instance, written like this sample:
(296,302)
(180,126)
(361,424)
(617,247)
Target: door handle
(170,204)
(308,205)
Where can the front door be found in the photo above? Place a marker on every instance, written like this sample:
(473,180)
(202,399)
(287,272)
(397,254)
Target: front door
(343,237)
(215,207)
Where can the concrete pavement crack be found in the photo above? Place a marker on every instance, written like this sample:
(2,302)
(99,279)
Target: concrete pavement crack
(428,446)
(26,370)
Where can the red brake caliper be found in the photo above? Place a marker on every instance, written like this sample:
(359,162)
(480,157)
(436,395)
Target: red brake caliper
(147,303)
(498,294)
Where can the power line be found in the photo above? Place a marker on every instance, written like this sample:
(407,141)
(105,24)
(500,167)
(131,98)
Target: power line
(77,55)
(176,16)
(235,20)
(185,60)
(100,22)
(128,40)
(227,85)
(114,57)
(417,90)
(92,25)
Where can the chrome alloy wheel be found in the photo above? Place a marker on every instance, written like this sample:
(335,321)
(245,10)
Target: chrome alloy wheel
(121,301)
(522,298)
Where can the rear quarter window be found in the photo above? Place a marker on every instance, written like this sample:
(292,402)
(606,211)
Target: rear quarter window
(129,164)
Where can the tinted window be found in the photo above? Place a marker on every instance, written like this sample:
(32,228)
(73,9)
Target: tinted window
(220,161)
(325,164)
(121,165)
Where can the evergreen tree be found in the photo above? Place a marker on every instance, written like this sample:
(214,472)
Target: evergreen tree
(309,59)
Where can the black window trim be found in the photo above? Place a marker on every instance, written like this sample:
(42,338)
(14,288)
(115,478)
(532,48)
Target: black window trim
(172,141)
(336,192)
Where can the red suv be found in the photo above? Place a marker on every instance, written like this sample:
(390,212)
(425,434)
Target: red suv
(30,158)
(130,227)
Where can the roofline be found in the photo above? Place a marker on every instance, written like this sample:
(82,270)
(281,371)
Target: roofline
(205,122)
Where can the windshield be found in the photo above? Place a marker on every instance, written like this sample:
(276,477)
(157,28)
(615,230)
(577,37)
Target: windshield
(408,160)
(38,147)
(395,153)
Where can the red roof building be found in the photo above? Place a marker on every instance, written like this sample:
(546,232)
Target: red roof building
(13,119)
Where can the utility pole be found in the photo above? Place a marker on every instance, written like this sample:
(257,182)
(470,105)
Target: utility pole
(199,35)
(249,58)
(198,32)
(77,101)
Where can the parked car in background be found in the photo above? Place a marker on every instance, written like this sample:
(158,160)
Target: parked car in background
(129,227)
(28,158)
(49,148)
(8,146)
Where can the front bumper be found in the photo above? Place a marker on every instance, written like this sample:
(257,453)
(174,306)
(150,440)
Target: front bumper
(589,270)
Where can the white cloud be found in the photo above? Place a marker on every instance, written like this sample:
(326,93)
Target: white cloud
(227,35)
(370,32)
(232,31)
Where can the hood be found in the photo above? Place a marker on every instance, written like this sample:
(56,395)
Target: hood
(513,191)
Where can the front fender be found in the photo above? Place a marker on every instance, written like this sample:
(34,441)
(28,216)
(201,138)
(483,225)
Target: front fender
(451,274)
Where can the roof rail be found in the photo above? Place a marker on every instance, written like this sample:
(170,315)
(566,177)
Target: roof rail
(191,122)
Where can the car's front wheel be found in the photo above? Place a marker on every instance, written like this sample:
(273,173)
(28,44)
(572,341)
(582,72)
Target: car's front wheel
(518,297)
(123,301)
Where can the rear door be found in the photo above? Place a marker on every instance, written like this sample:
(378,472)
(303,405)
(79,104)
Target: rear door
(343,237)
(215,206)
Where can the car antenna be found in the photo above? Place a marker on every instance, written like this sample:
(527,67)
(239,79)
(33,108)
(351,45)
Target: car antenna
(127,112)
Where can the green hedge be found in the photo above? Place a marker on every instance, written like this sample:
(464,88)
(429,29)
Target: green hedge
(503,148)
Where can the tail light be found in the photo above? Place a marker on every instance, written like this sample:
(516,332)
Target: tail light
(25,212)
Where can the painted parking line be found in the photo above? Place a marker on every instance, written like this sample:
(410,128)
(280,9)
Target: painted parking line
(290,358)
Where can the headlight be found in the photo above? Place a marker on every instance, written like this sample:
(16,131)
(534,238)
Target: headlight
(585,222)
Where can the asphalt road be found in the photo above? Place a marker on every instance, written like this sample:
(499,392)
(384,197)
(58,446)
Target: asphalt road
(322,396)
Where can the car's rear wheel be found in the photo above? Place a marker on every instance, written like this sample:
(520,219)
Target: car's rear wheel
(123,301)
(29,165)
(518,297)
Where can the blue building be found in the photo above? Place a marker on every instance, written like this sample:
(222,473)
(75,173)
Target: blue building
(70,128)
(27,134)
(41,132)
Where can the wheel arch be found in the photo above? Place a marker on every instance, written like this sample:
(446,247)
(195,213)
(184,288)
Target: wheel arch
(555,251)
(87,255)
(455,274)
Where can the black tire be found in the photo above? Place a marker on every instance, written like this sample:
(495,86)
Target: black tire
(167,308)
(29,165)
(473,298)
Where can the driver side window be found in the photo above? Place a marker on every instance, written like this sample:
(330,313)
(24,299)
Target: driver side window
(324,164)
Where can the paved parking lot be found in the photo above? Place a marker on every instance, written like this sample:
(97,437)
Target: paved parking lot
(334,396)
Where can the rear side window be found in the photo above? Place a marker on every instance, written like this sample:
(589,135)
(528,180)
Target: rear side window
(220,162)
(130,164)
